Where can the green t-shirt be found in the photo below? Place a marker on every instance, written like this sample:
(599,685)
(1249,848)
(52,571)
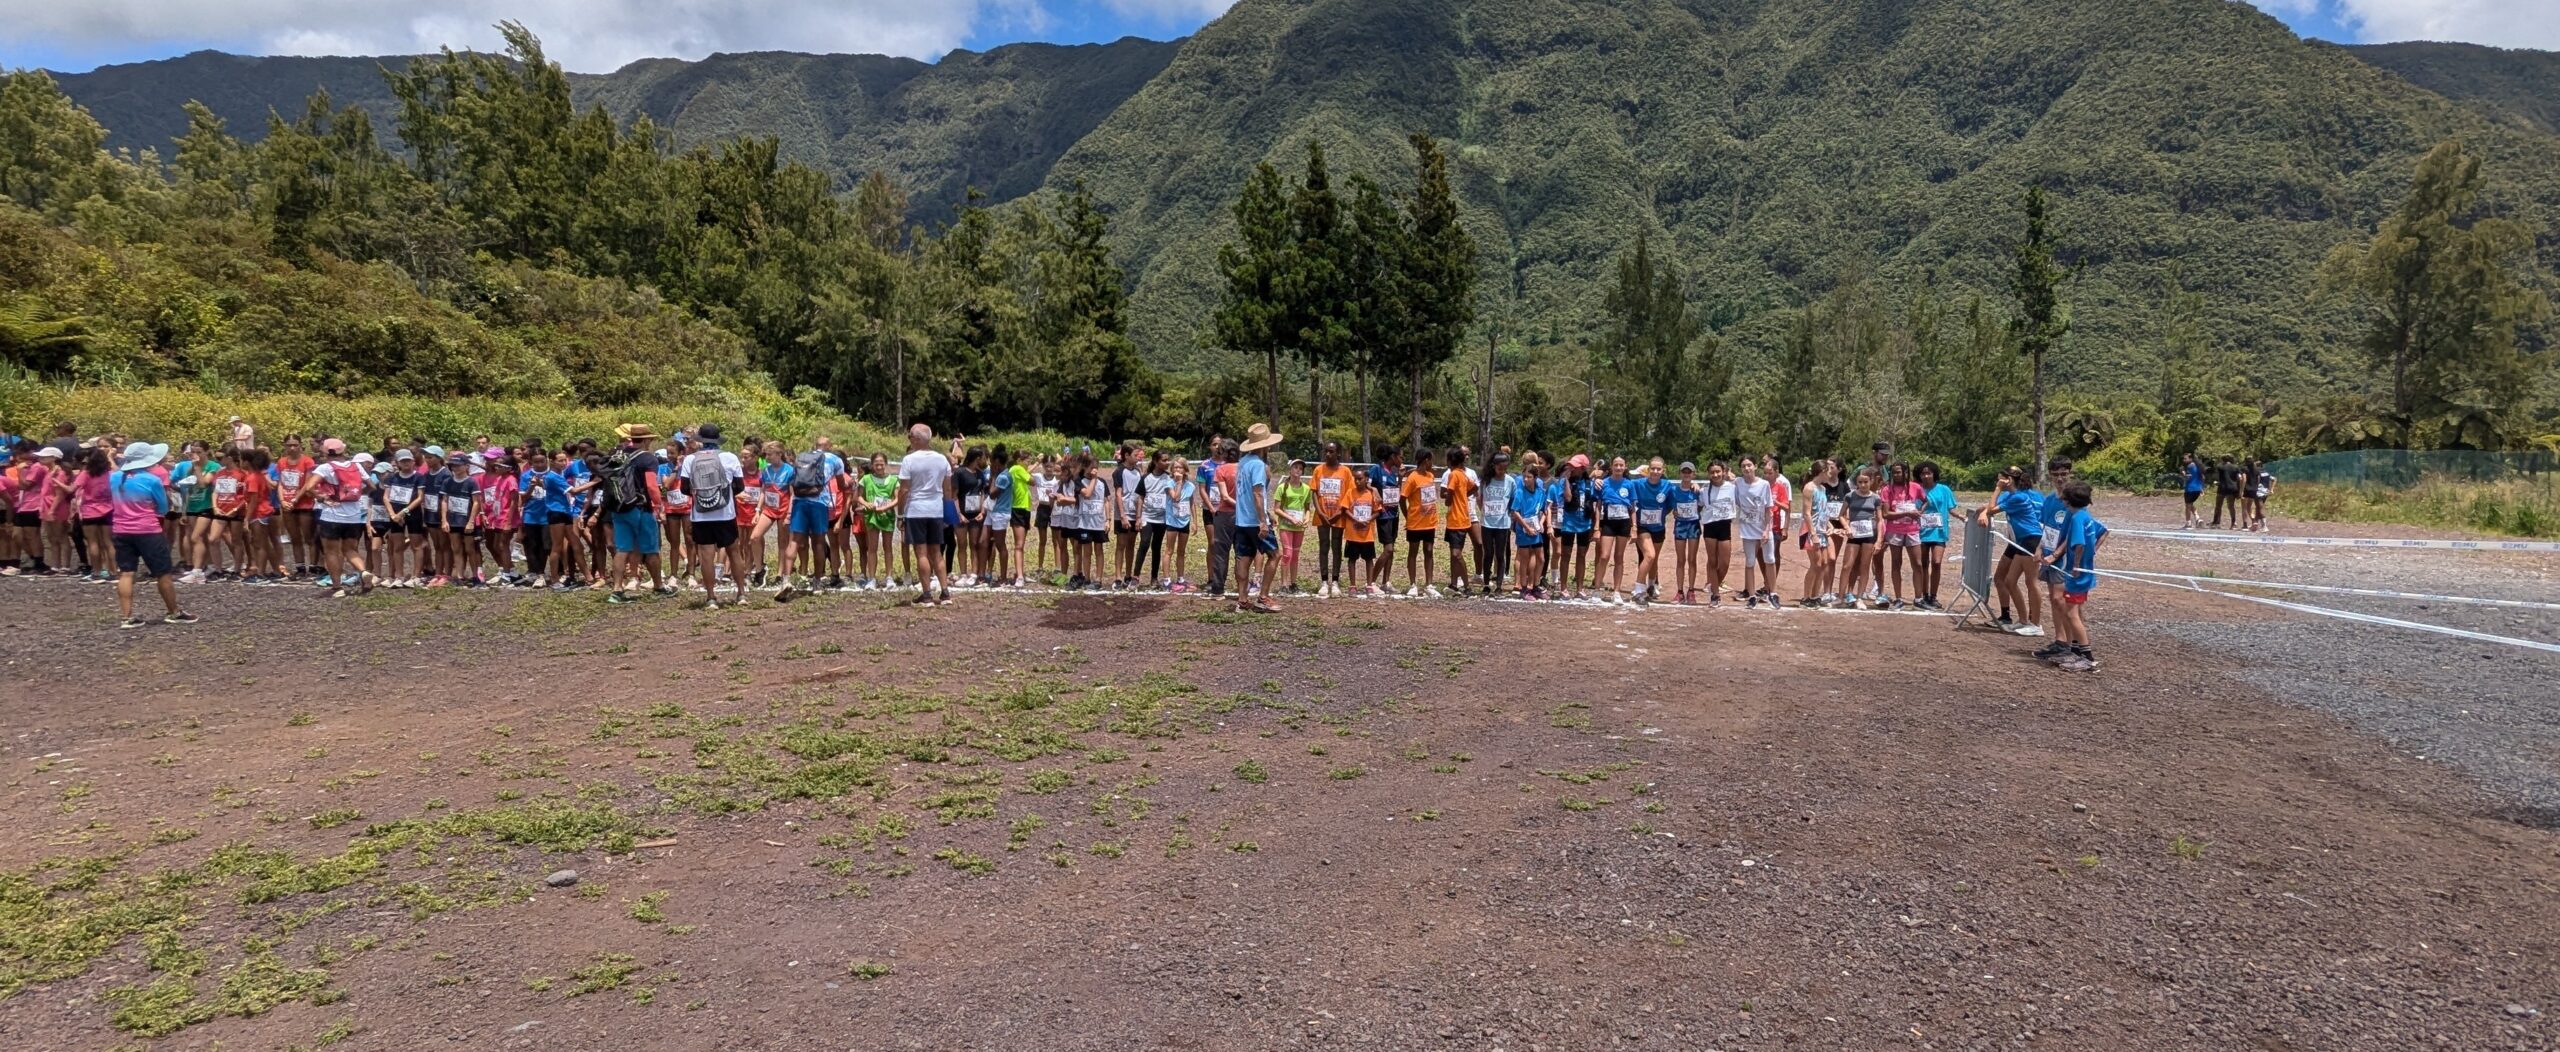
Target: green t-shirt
(1292,497)
(1021,488)
(200,495)
(878,488)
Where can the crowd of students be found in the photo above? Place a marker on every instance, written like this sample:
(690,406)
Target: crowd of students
(641,514)
(2240,489)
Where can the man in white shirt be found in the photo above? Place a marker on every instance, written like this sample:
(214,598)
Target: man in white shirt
(922,475)
(712,477)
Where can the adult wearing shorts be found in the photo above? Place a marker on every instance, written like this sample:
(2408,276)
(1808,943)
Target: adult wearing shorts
(1251,538)
(633,500)
(712,477)
(923,475)
(138,502)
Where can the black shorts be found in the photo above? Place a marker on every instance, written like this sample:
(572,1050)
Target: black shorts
(1425,538)
(1178,531)
(1932,544)
(1094,537)
(27,520)
(924,531)
(2191,497)
(205,514)
(342,531)
(715,533)
(1456,537)
(1251,542)
(1386,532)
(1720,530)
(99,521)
(1654,533)
(142,550)
(1573,540)
(1617,527)
(1360,551)
(1040,516)
(1021,516)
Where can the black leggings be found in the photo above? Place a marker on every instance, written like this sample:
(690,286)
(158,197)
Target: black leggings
(1328,553)
(537,549)
(1151,551)
(1494,555)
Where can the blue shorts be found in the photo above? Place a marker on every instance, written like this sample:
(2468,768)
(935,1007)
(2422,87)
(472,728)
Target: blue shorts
(809,517)
(635,532)
(1523,539)
(1684,530)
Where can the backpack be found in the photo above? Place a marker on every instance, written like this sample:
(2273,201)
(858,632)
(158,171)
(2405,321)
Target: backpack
(623,484)
(708,481)
(346,482)
(809,474)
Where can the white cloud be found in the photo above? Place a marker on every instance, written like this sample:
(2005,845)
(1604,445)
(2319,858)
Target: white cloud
(584,35)
(2504,23)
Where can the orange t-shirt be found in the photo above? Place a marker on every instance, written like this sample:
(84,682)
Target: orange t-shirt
(1332,487)
(1421,502)
(1461,499)
(1360,516)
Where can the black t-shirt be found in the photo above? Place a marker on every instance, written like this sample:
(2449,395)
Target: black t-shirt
(2226,477)
(641,472)
(965,483)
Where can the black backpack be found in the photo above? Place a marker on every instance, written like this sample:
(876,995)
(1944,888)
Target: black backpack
(809,474)
(622,483)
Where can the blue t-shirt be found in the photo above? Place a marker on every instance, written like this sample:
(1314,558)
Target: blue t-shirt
(1251,473)
(2079,562)
(1177,508)
(1653,502)
(2053,514)
(1530,501)
(1617,498)
(1000,492)
(1574,515)
(575,473)
(1684,502)
(2195,478)
(553,504)
(136,501)
(2025,511)
(1940,502)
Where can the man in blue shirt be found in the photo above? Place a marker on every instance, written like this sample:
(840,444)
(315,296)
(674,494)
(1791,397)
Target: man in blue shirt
(1251,538)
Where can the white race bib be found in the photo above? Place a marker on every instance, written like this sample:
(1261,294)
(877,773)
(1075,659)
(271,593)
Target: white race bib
(434,503)
(1861,529)
(398,494)
(1361,512)
(1904,507)
(290,479)
(1930,520)
(1330,487)
(226,486)
(1651,517)
(1687,512)
(1617,512)
(1430,497)
(1155,503)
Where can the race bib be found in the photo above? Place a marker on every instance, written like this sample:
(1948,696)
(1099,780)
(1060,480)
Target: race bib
(1904,507)
(540,491)
(1930,520)
(1652,517)
(976,503)
(1686,512)
(1617,512)
(434,503)
(398,494)
(1430,497)
(290,479)
(227,487)
(1361,513)
(1330,487)
(1497,510)
(773,498)
(1155,503)
(1861,529)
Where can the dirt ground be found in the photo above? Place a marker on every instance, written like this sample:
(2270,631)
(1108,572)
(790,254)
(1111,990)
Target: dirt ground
(1031,821)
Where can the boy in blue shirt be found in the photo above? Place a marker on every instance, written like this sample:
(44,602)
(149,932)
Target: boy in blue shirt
(2076,560)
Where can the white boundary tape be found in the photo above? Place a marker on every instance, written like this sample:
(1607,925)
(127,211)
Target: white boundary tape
(2349,615)
(2199,581)
(2343,542)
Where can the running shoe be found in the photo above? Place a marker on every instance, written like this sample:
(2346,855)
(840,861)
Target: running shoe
(2054,651)
(617,598)
(180,618)
(133,622)
(2030,630)
(665,593)
(2078,663)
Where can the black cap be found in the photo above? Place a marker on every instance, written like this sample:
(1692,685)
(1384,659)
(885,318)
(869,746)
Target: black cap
(708,432)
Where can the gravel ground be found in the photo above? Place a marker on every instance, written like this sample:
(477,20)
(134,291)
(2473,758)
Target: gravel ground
(2484,709)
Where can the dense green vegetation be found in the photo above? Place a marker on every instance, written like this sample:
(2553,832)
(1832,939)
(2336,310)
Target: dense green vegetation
(519,248)
(2516,85)
(1831,187)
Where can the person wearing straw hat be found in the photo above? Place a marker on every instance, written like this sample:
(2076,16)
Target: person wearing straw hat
(1251,538)
(138,502)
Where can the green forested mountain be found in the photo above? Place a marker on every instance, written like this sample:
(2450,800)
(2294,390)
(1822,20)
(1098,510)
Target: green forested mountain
(1819,171)
(994,120)
(2513,84)
(1779,147)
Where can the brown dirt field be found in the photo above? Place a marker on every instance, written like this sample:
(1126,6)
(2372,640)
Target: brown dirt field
(1479,826)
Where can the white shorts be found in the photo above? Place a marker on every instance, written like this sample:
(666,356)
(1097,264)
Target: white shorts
(1759,549)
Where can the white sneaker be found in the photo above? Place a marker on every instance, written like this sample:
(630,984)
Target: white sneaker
(1432,590)
(2030,630)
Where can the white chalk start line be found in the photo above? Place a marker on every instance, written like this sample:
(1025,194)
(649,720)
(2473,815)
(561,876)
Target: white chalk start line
(2343,615)
(2198,580)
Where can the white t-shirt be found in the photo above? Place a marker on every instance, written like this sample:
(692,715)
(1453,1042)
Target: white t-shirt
(1719,498)
(1751,500)
(729,468)
(925,472)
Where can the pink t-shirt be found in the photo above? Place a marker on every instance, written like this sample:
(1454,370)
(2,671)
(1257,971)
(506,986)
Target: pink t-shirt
(497,500)
(93,495)
(139,500)
(1907,497)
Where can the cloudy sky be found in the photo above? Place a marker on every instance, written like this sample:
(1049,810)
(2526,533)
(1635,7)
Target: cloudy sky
(598,35)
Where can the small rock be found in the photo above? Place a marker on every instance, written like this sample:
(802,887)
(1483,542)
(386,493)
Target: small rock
(2521,1012)
(561,879)
(2082,808)
(524,1026)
